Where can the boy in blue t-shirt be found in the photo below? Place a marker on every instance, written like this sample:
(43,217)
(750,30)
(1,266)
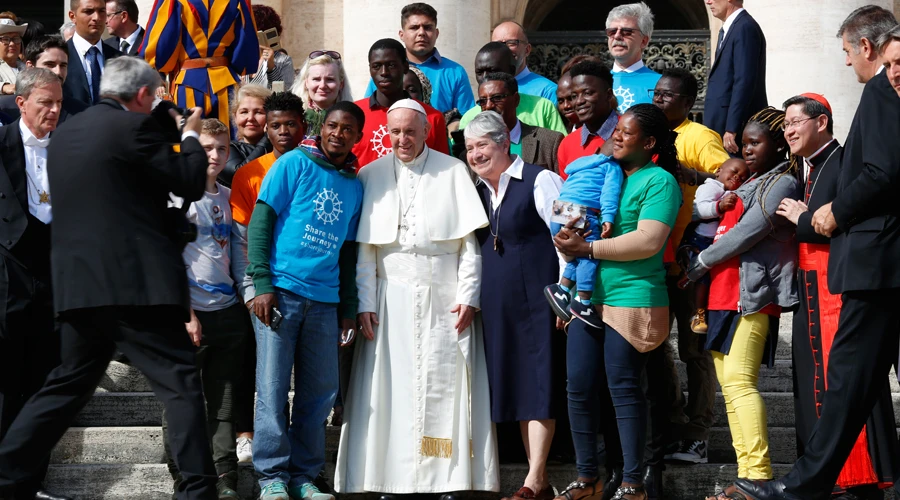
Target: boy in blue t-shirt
(590,192)
(302,254)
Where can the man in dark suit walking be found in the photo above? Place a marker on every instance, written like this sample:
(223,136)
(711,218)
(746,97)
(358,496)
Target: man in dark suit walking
(88,55)
(29,341)
(737,80)
(864,223)
(122,23)
(118,274)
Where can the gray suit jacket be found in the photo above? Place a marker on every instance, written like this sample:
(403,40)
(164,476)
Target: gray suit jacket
(539,146)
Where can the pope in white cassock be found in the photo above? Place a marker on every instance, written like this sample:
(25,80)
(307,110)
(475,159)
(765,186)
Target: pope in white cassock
(417,413)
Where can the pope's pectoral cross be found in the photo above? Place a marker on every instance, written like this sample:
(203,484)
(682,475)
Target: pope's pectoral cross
(44,197)
(403,224)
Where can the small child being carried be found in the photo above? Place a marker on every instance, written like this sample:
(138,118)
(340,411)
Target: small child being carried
(713,198)
(591,193)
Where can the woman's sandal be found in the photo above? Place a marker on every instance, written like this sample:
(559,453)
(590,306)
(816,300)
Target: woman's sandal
(577,490)
(630,490)
(725,494)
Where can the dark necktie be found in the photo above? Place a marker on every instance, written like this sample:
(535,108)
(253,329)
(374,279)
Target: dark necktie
(93,59)
(719,43)
(124,47)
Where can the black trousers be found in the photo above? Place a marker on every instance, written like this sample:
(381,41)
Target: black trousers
(29,351)
(155,340)
(863,351)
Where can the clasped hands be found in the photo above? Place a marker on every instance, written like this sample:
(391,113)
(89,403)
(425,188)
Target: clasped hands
(823,221)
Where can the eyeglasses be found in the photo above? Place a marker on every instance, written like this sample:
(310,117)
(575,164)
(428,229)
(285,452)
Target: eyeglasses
(512,42)
(796,123)
(6,40)
(116,13)
(665,95)
(626,32)
(330,53)
(496,99)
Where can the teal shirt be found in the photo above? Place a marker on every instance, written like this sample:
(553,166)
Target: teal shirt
(634,88)
(649,193)
(533,110)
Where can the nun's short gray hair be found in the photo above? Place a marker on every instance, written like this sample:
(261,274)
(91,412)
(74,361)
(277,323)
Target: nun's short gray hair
(487,124)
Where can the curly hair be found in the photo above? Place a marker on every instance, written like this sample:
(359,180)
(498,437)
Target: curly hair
(653,123)
(592,68)
(266,18)
(579,58)
(284,101)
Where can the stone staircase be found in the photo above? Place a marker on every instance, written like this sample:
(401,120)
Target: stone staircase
(115,449)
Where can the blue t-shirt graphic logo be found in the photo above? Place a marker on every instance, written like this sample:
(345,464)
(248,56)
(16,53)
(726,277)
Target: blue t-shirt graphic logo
(328,206)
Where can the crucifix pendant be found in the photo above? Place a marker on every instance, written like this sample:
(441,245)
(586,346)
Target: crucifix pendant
(496,243)
(403,225)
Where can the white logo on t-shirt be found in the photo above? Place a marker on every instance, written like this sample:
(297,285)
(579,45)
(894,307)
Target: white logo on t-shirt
(377,140)
(328,206)
(626,98)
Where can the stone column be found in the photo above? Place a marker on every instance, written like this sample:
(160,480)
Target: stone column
(804,55)
(464,27)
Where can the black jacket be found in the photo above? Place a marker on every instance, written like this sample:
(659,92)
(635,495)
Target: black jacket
(76,86)
(823,185)
(737,79)
(115,42)
(864,256)
(240,154)
(113,240)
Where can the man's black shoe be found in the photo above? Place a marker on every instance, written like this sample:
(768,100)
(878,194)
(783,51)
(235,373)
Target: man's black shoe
(613,481)
(653,482)
(451,496)
(46,495)
(770,490)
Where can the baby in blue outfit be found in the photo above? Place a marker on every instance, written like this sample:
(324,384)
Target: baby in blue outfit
(591,189)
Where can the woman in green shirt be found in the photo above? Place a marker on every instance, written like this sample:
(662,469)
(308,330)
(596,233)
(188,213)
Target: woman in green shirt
(630,295)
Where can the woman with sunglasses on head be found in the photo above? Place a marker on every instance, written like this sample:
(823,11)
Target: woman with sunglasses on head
(751,265)
(274,65)
(629,295)
(321,83)
(11,49)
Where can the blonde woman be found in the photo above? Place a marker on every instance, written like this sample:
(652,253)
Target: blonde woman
(248,116)
(321,83)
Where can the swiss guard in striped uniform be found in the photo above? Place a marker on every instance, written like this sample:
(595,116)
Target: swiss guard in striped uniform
(206,48)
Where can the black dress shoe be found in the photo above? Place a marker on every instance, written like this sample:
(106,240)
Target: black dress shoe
(771,490)
(613,481)
(46,495)
(451,496)
(388,497)
(653,482)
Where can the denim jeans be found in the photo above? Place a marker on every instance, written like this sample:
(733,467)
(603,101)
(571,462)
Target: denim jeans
(582,270)
(587,352)
(308,337)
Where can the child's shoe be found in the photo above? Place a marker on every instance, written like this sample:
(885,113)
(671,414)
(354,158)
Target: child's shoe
(698,322)
(587,313)
(559,300)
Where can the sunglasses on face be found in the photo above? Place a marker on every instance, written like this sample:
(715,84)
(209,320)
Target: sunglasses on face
(626,32)
(330,53)
(6,40)
(496,99)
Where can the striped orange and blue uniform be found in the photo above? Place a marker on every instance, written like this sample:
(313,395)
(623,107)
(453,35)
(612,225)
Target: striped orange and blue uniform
(181,30)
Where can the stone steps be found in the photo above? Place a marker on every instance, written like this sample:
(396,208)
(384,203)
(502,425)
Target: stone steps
(152,482)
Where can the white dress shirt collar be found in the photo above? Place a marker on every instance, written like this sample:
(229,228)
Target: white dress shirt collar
(631,69)
(515,135)
(730,20)
(37,181)
(83,46)
(131,39)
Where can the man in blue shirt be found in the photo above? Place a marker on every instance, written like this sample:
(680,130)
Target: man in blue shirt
(628,28)
(450,87)
(302,252)
(513,35)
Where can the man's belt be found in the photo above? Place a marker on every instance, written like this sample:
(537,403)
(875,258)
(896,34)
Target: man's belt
(205,62)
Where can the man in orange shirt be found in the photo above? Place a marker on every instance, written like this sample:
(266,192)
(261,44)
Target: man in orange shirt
(285,128)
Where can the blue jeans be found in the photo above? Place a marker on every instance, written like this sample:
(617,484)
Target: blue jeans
(582,270)
(587,351)
(308,338)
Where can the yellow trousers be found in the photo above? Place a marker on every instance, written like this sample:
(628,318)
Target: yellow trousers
(738,374)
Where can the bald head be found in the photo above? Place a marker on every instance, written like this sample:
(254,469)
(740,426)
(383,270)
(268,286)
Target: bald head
(494,57)
(513,35)
(409,130)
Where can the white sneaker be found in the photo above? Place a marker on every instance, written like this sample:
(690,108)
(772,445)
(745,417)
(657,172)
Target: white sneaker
(244,449)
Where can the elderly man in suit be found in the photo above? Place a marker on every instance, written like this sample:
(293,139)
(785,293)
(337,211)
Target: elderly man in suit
(864,227)
(122,23)
(118,274)
(29,342)
(89,55)
(737,80)
(538,146)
